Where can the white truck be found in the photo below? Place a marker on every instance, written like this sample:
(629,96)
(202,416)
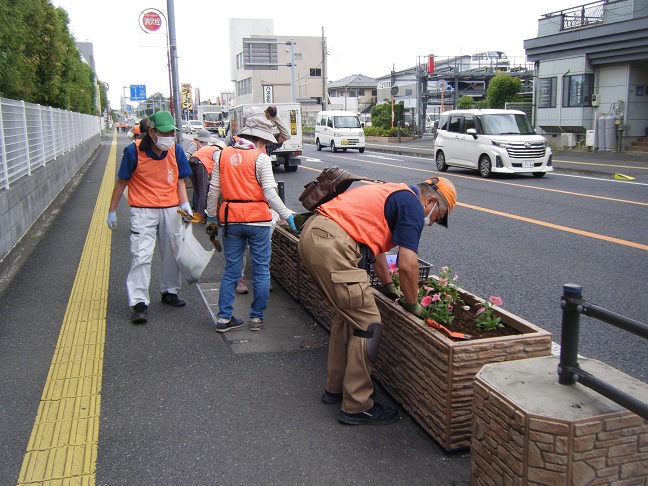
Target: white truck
(211,116)
(287,154)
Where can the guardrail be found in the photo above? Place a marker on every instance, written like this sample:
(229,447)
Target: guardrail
(32,135)
(569,372)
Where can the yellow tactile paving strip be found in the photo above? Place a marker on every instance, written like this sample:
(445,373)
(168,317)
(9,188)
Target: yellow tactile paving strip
(62,449)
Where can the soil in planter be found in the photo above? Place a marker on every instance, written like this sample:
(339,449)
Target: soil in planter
(464,321)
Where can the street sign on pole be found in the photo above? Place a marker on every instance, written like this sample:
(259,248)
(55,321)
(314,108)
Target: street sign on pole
(137,92)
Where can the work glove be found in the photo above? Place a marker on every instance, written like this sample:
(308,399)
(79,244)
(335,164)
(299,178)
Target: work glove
(271,111)
(291,221)
(415,308)
(211,227)
(112,220)
(390,291)
(186,207)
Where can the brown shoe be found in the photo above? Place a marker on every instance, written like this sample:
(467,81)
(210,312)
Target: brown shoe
(241,288)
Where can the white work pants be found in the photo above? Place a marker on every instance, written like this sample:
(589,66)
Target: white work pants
(147,226)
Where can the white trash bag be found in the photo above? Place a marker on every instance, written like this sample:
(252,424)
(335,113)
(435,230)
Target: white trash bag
(191,257)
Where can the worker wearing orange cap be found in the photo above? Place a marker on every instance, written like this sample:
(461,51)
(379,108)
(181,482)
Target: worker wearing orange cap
(336,245)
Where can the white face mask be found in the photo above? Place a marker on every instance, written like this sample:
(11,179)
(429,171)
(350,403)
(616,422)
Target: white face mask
(429,221)
(165,143)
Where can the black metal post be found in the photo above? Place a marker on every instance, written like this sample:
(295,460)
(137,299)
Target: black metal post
(569,333)
(281,191)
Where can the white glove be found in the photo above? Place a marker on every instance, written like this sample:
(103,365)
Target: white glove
(112,220)
(186,207)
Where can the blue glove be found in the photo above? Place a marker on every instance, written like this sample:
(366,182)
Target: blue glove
(291,221)
(112,220)
(186,207)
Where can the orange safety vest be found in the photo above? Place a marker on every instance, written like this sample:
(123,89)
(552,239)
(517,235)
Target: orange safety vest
(243,198)
(206,157)
(361,213)
(154,183)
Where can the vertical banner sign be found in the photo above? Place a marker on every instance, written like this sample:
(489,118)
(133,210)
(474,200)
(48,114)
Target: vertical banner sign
(267,94)
(185,94)
(150,20)
(293,122)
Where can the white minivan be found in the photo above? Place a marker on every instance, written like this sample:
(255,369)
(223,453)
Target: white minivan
(339,130)
(491,141)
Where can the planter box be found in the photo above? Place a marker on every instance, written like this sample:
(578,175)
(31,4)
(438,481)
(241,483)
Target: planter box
(432,376)
(425,371)
(284,263)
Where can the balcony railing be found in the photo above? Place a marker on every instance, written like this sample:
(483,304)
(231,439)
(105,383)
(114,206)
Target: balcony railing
(582,16)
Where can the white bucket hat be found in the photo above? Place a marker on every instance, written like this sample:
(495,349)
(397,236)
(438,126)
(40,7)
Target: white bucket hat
(257,125)
(204,136)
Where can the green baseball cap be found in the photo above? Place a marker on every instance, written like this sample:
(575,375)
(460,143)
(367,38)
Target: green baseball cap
(163,121)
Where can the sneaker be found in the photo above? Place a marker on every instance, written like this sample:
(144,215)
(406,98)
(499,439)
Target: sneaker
(256,323)
(241,288)
(172,299)
(331,398)
(140,315)
(224,325)
(379,414)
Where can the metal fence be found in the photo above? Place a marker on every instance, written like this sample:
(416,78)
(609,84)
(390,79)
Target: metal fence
(32,135)
(569,371)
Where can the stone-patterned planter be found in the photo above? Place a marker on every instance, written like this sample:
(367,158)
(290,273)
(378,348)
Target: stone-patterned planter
(425,371)
(284,263)
(432,375)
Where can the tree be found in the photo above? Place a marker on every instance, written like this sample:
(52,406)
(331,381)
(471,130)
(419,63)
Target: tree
(503,88)
(465,103)
(381,114)
(39,61)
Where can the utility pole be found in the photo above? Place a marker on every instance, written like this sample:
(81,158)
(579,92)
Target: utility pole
(324,93)
(173,51)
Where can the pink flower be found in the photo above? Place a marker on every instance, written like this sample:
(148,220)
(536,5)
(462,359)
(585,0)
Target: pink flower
(480,310)
(444,269)
(450,308)
(443,282)
(436,297)
(425,301)
(456,277)
(495,300)
(428,289)
(393,267)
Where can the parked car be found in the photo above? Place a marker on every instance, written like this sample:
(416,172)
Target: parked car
(223,128)
(193,126)
(491,141)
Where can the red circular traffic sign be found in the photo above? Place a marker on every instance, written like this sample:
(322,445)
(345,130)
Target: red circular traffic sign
(151,21)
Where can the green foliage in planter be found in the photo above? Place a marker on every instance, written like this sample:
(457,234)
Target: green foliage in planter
(373,131)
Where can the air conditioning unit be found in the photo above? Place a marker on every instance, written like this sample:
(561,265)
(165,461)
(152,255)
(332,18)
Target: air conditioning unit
(568,139)
(595,99)
(589,138)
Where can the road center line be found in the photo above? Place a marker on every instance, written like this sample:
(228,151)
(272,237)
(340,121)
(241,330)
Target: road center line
(64,439)
(558,227)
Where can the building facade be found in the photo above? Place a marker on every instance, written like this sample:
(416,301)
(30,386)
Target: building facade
(266,68)
(591,65)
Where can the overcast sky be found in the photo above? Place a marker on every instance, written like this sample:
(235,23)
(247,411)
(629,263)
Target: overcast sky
(361,40)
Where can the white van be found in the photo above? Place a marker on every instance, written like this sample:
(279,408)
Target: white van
(339,130)
(491,141)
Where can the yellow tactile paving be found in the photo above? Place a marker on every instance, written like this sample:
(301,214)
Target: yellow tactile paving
(62,449)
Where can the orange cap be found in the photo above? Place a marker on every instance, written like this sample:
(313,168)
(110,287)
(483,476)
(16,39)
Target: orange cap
(447,191)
